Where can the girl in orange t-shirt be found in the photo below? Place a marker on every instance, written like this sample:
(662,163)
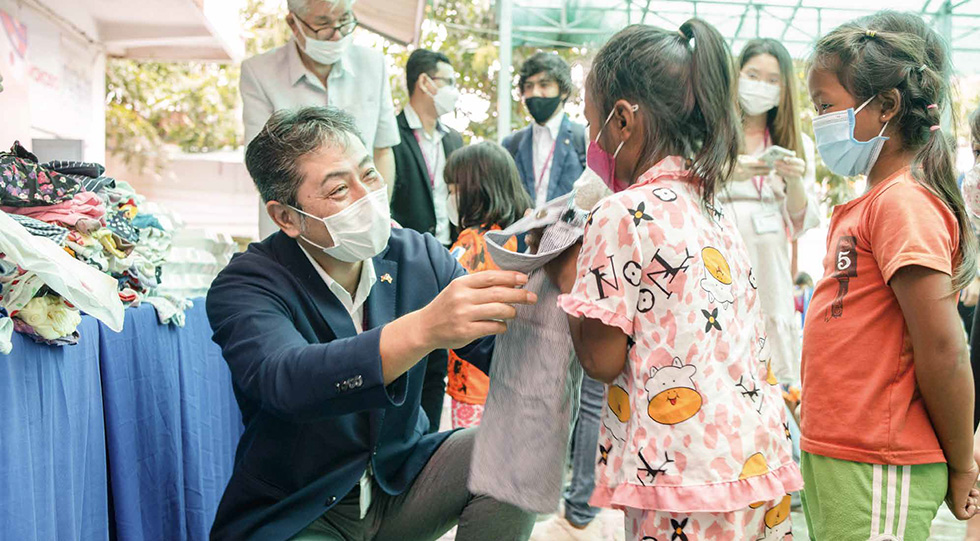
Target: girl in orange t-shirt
(887,411)
(485,194)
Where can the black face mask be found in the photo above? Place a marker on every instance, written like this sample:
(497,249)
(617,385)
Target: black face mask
(542,109)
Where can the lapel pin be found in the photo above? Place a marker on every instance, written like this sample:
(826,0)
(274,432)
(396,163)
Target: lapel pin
(386,278)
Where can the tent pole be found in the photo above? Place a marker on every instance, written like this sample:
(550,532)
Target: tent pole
(504,77)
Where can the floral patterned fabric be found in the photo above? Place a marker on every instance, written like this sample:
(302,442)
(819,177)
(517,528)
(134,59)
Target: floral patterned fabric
(25,183)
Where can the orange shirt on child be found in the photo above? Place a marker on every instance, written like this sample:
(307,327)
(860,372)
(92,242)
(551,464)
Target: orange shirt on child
(860,398)
(466,383)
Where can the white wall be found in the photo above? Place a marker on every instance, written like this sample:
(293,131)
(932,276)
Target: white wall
(54,77)
(211,192)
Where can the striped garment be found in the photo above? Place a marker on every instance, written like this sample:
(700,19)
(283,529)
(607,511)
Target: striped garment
(521,449)
(87,174)
(38,228)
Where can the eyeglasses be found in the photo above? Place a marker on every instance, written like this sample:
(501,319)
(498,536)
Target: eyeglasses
(450,81)
(326,33)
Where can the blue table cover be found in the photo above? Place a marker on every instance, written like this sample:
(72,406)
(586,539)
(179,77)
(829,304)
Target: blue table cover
(126,436)
(172,426)
(53,483)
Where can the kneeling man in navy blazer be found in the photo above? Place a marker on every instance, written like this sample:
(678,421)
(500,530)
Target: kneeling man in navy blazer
(326,326)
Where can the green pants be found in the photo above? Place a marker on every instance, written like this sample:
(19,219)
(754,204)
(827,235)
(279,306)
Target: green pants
(853,501)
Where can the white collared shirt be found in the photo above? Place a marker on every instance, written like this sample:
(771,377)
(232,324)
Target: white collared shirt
(355,304)
(358,84)
(435,164)
(355,307)
(543,147)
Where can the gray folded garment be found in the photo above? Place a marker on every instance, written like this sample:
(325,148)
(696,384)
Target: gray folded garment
(521,449)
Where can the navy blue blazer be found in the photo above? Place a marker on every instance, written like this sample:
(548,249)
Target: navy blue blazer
(311,391)
(568,161)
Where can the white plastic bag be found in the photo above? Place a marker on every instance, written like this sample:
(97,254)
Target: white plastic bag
(91,291)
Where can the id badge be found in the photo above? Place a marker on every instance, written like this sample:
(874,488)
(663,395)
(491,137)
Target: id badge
(767,222)
(366,495)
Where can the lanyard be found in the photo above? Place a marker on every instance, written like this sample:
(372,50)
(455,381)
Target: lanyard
(759,181)
(430,170)
(544,166)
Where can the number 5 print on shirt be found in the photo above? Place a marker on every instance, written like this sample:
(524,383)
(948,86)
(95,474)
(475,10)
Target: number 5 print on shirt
(845,268)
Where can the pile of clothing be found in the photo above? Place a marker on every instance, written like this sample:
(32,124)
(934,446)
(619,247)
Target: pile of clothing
(97,220)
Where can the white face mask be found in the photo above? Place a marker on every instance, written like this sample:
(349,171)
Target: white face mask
(327,52)
(360,231)
(452,209)
(757,97)
(445,100)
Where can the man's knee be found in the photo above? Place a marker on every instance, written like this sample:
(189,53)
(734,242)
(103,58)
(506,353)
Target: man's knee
(487,518)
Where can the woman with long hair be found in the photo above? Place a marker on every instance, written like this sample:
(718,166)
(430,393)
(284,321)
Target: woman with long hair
(768,196)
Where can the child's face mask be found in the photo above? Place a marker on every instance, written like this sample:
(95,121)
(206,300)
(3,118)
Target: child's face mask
(603,163)
(841,152)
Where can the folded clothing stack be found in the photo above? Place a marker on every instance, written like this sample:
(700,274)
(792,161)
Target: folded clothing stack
(97,220)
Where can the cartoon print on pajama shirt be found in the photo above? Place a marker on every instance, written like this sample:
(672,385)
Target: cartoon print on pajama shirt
(718,283)
(674,398)
(692,406)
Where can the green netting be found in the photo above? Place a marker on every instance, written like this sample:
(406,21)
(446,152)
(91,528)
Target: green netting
(797,23)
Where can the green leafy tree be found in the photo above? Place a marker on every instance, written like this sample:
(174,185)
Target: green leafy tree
(192,106)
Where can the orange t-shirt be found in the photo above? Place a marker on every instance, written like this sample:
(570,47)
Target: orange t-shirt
(860,398)
(466,383)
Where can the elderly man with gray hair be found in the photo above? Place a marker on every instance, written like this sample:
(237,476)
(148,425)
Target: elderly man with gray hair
(326,327)
(321,66)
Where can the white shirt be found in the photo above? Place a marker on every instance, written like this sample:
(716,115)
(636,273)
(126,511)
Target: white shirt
(358,84)
(544,146)
(435,163)
(355,307)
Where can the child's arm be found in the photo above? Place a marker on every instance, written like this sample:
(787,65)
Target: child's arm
(600,348)
(942,371)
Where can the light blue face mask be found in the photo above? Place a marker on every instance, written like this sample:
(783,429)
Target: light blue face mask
(844,155)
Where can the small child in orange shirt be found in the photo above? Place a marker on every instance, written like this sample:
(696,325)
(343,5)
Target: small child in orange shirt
(887,420)
(485,194)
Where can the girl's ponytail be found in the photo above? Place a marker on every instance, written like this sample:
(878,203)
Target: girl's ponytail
(713,89)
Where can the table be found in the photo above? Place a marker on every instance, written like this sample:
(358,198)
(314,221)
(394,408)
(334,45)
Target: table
(127,435)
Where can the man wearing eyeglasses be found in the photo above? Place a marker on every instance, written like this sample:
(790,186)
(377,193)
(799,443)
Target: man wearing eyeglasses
(421,197)
(420,193)
(321,66)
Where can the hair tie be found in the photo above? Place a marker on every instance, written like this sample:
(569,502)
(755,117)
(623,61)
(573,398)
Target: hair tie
(937,127)
(870,33)
(932,106)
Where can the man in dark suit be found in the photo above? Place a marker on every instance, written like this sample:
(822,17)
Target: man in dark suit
(550,153)
(323,326)
(420,195)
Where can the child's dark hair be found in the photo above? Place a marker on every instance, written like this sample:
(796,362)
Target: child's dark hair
(488,186)
(683,83)
(803,280)
(783,120)
(892,50)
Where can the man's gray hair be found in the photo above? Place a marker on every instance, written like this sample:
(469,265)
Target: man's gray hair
(301,7)
(272,158)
